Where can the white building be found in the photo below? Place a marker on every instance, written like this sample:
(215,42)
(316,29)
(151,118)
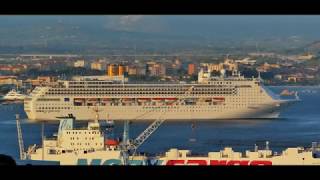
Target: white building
(79,63)
(96,66)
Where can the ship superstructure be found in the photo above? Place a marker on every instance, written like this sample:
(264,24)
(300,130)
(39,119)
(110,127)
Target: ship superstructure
(80,146)
(210,98)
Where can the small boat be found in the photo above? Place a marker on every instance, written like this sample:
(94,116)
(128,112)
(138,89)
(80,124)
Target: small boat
(13,95)
(286,92)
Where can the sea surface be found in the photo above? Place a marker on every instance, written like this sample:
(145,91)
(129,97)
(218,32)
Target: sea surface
(298,125)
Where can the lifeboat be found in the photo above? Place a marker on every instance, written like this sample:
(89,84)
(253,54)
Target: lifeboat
(111,142)
(170,99)
(92,99)
(143,99)
(127,99)
(209,100)
(158,99)
(218,99)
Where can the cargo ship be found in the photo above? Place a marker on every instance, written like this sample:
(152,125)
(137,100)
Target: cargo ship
(89,146)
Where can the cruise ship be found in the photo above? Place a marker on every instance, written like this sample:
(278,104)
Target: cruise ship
(211,98)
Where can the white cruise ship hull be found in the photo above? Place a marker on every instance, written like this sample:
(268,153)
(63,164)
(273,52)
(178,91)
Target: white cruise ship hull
(174,113)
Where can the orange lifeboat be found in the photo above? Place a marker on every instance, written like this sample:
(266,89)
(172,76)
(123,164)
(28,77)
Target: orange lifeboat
(170,99)
(143,99)
(158,99)
(111,142)
(218,99)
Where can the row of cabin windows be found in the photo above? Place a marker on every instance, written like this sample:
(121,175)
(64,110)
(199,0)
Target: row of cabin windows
(132,89)
(147,104)
(89,138)
(54,107)
(220,82)
(92,82)
(104,82)
(202,110)
(79,144)
(43,99)
(141,89)
(138,92)
(42,111)
(135,93)
(76,132)
(108,85)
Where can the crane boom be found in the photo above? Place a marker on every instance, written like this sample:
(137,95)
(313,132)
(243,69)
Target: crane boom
(145,134)
(20,139)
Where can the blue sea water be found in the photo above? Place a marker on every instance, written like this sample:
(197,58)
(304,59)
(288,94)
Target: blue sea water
(298,125)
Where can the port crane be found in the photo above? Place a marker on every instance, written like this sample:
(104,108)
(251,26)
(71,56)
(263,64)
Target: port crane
(128,147)
(20,139)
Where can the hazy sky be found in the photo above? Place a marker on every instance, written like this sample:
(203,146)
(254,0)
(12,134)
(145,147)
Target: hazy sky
(181,24)
(203,21)
(232,26)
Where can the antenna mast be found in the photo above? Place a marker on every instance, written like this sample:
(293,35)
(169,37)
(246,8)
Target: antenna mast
(135,51)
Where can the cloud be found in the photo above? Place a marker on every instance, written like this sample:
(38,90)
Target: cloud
(123,23)
(137,23)
(130,20)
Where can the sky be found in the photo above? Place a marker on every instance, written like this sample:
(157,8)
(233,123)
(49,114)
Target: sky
(177,24)
(110,29)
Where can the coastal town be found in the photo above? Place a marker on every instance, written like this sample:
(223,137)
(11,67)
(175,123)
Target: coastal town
(30,70)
